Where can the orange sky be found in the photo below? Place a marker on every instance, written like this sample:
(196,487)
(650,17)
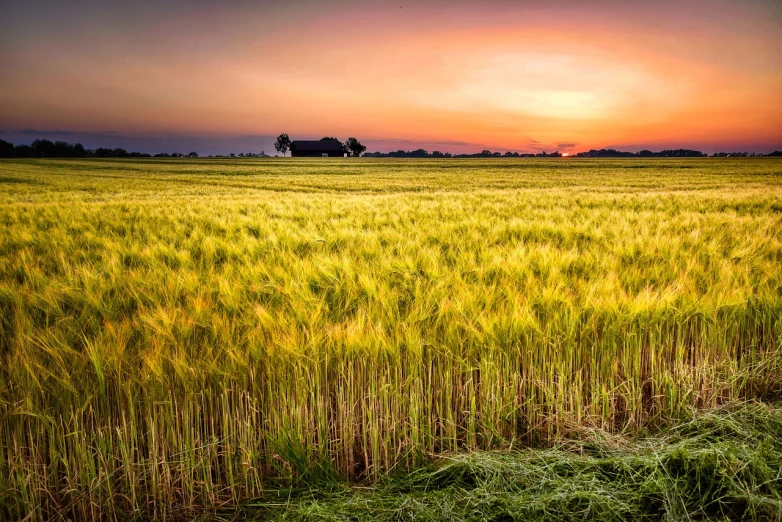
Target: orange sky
(439,75)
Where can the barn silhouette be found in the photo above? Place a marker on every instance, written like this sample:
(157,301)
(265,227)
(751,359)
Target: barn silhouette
(330,148)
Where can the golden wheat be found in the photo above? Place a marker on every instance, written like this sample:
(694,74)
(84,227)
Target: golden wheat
(177,334)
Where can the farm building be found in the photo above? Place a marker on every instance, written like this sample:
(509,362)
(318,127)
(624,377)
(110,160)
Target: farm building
(317,149)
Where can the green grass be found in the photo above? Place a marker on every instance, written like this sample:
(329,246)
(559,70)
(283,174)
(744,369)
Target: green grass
(184,334)
(722,465)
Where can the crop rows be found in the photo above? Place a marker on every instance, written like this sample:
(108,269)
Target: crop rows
(183,334)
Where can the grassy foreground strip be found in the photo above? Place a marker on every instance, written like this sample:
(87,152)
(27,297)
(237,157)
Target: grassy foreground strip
(725,464)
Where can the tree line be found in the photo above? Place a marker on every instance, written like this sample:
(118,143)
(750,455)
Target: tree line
(62,149)
(602,153)
(672,153)
(744,154)
(421,153)
(611,153)
(43,148)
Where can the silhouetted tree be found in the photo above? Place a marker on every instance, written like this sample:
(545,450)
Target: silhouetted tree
(282,144)
(61,149)
(355,147)
(43,148)
(192,155)
(681,153)
(24,151)
(6,149)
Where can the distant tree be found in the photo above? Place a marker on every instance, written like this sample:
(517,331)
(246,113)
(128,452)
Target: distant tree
(6,149)
(282,144)
(355,147)
(486,152)
(24,151)
(62,149)
(683,153)
(192,155)
(43,148)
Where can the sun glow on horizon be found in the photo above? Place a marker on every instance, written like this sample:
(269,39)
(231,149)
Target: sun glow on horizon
(567,85)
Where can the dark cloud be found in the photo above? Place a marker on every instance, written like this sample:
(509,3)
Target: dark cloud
(67,134)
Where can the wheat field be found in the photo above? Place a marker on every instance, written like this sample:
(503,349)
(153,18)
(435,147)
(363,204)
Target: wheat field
(178,334)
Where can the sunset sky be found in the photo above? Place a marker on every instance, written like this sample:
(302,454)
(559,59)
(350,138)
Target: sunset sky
(228,76)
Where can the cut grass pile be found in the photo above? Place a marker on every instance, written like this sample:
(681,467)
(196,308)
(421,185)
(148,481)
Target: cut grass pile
(176,334)
(722,465)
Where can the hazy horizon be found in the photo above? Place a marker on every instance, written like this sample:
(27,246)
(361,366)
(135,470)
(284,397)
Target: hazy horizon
(448,76)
